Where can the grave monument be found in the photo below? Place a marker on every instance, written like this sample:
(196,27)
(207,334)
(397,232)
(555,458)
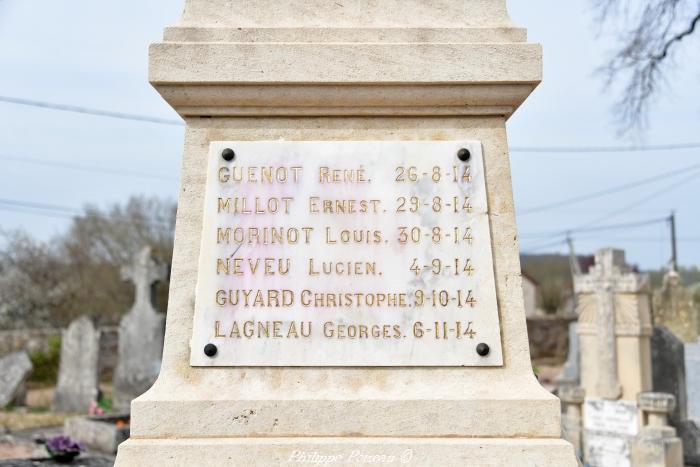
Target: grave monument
(14,371)
(78,375)
(346,281)
(675,308)
(140,333)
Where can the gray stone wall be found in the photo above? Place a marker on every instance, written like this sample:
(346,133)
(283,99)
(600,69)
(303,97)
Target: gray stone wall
(31,340)
(549,337)
(37,340)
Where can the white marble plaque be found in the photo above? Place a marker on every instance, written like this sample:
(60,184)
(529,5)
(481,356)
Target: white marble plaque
(609,427)
(620,417)
(346,254)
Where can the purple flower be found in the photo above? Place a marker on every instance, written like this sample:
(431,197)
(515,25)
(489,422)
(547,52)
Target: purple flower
(62,444)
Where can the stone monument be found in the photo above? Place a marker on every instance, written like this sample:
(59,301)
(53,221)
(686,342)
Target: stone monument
(675,308)
(14,370)
(669,376)
(78,375)
(346,281)
(614,328)
(614,334)
(140,333)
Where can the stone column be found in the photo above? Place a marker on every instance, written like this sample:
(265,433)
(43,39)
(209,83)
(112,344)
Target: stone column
(346,70)
(572,398)
(657,444)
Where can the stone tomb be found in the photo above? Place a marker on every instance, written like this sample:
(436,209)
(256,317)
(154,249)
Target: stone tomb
(78,376)
(140,333)
(14,370)
(392,353)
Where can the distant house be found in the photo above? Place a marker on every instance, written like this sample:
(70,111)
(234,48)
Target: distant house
(531,290)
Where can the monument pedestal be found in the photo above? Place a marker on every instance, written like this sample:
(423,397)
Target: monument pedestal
(346,71)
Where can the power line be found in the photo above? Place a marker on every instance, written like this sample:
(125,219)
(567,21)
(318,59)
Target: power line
(612,190)
(591,149)
(87,168)
(597,228)
(167,121)
(53,210)
(653,195)
(90,111)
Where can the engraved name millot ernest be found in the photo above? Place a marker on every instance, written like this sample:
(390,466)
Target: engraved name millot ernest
(346,254)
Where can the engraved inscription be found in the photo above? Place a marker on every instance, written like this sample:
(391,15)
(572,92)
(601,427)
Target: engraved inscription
(346,254)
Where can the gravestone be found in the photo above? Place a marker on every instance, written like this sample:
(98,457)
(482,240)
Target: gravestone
(669,376)
(14,370)
(609,427)
(345,282)
(78,375)
(571,373)
(614,330)
(140,333)
(675,308)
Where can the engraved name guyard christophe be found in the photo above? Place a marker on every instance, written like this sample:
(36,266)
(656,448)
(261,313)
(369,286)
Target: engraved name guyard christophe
(346,254)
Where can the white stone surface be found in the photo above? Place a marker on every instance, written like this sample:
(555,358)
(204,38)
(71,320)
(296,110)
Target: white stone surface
(609,426)
(620,417)
(442,308)
(473,416)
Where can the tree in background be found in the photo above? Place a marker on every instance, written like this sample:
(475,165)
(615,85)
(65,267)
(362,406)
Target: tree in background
(651,34)
(79,272)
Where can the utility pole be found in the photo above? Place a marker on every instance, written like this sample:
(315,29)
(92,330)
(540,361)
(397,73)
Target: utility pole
(674,250)
(575,267)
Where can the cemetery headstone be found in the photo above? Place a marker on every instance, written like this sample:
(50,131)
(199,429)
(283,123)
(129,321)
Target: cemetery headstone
(614,330)
(345,279)
(78,376)
(140,333)
(675,308)
(14,370)
(609,427)
(669,376)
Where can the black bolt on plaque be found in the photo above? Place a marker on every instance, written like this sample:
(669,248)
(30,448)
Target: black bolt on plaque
(210,350)
(464,154)
(483,349)
(228,154)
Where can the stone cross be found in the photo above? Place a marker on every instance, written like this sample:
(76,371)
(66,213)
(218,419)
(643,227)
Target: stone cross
(613,301)
(602,281)
(78,375)
(144,273)
(140,333)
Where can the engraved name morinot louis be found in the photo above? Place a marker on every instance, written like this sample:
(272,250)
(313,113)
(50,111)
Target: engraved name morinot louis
(346,253)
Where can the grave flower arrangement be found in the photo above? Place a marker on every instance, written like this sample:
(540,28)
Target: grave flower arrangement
(63,448)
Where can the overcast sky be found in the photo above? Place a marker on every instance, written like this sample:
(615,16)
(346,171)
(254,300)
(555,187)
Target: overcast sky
(94,54)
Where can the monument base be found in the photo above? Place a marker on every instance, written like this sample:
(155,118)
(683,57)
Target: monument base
(445,452)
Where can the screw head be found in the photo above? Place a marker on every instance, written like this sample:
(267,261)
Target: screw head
(464,154)
(210,350)
(483,349)
(228,154)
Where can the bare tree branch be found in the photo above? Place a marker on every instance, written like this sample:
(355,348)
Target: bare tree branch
(642,58)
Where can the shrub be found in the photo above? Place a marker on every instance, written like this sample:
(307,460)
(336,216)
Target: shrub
(45,372)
